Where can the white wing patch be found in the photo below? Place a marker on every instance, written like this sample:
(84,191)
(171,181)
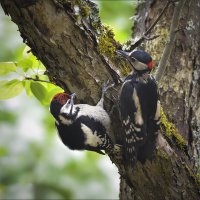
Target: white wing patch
(95,112)
(138,114)
(127,121)
(157,115)
(91,137)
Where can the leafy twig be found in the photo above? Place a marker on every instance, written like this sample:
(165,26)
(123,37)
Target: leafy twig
(172,36)
(144,36)
(37,79)
(57,83)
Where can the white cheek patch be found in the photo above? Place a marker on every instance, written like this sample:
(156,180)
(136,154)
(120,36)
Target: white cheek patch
(139,65)
(138,114)
(91,138)
(65,120)
(67,108)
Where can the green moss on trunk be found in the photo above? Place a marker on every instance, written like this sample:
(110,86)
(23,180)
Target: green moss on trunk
(171,131)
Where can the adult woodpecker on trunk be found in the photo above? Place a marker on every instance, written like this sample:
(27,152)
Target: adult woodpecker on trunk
(139,108)
(82,126)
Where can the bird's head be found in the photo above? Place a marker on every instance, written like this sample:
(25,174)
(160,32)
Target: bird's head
(63,109)
(140,60)
(57,103)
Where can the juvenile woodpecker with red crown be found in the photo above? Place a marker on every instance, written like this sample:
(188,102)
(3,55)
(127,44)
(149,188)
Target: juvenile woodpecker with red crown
(82,126)
(139,108)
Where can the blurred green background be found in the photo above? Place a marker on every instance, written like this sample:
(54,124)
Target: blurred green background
(34,164)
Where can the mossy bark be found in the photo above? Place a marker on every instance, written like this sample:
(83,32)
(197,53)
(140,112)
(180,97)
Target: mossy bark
(179,87)
(68,37)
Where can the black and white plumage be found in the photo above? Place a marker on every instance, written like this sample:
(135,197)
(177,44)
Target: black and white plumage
(139,109)
(82,126)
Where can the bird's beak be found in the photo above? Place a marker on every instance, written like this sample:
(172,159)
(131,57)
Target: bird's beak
(123,54)
(72,101)
(137,65)
(73,96)
(126,55)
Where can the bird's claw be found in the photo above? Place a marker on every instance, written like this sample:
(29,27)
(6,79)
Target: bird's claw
(73,95)
(107,85)
(117,151)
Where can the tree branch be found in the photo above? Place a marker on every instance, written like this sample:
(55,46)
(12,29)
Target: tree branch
(67,43)
(144,36)
(170,41)
(37,79)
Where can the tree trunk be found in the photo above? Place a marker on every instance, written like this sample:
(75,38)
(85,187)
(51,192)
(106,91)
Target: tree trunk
(180,86)
(68,38)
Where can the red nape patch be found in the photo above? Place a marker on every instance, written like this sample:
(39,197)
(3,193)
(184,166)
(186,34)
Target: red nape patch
(150,64)
(61,98)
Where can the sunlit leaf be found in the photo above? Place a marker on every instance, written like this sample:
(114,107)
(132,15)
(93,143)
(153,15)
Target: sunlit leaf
(26,52)
(43,91)
(108,16)
(39,91)
(25,64)
(27,87)
(52,92)
(36,64)
(18,52)
(7,67)
(9,89)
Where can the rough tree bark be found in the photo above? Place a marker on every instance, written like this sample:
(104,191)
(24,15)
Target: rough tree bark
(180,86)
(67,36)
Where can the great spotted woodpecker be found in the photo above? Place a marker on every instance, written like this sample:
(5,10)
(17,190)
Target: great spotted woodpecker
(139,108)
(82,126)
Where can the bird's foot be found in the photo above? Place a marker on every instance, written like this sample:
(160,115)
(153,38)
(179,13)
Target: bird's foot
(107,85)
(117,152)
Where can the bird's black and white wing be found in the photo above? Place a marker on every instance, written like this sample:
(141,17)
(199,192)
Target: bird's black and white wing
(132,121)
(153,122)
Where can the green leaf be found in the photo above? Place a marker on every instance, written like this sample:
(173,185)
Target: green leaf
(51,93)
(9,89)
(36,64)
(7,67)
(25,64)
(39,91)
(27,87)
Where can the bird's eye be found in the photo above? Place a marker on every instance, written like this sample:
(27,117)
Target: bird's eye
(68,101)
(133,59)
